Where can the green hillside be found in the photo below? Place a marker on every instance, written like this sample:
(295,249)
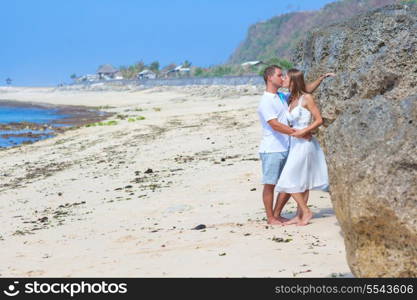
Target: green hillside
(277,36)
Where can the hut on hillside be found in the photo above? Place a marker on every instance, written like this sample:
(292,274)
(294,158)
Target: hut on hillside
(118,75)
(178,71)
(182,71)
(146,74)
(106,71)
(87,78)
(252,63)
(167,71)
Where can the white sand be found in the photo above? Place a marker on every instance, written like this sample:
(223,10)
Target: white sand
(116,233)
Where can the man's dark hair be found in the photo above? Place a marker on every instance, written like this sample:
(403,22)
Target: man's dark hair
(269,71)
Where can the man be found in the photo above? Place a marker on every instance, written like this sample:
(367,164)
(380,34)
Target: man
(275,140)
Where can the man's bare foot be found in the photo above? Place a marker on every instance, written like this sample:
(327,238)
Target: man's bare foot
(281,219)
(305,219)
(294,220)
(273,221)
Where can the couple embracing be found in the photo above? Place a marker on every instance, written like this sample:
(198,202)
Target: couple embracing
(292,160)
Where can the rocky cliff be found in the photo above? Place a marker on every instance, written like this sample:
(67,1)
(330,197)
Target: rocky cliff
(370,134)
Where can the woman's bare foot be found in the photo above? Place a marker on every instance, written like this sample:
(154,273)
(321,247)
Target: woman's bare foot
(305,219)
(273,221)
(294,220)
(281,219)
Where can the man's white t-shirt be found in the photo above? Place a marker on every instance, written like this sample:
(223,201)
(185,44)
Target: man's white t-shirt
(272,107)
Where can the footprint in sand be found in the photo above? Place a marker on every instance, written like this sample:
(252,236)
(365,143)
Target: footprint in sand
(179,208)
(125,238)
(35,273)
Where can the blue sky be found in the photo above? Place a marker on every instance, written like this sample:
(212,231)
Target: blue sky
(45,41)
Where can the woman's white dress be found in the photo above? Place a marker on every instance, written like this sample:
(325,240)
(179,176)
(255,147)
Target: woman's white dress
(306,167)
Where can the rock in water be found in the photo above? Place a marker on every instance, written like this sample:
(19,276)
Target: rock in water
(370,134)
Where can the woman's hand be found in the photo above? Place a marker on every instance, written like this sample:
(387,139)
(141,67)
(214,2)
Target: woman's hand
(299,133)
(328,75)
(308,136)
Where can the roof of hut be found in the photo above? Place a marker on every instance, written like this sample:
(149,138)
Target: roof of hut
(106,68)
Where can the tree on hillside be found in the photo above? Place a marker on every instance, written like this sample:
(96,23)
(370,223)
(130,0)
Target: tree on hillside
(154,66)
(186,64)
(199,72)
(139,66)
(283,63)
(125,73)
(8,81)
(219,71)
(169,67)
(133,70)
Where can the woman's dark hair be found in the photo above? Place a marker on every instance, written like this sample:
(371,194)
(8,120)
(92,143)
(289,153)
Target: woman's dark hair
(297,84)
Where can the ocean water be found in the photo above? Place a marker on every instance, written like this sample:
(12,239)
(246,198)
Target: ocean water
(11,114)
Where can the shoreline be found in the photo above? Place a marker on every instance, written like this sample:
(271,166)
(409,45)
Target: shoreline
(122,200)
(71,117)
(62,109)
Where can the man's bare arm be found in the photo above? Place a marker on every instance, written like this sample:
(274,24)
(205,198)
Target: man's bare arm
(277,126)
(312,86)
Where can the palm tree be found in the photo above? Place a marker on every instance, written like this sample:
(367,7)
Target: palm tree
(139,66)
(8,80)
(186,64)
(154,66)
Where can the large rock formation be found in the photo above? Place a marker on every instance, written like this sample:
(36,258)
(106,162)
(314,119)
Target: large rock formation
(370,134)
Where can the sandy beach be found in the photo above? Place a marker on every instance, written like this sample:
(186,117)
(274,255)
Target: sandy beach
(121,200)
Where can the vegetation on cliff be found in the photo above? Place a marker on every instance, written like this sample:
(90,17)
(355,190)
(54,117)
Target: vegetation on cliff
(278,36)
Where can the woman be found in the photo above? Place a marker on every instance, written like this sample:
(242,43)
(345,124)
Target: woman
(305,168)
